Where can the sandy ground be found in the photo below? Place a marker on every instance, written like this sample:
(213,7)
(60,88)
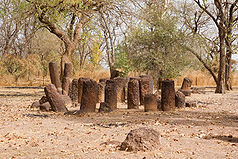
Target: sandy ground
(208,131)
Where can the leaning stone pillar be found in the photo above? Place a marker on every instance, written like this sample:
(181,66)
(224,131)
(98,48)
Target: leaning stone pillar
(168,95)
(89,96)
(150,102)
(111,94)
(54,76)
(133,94)
(56,101)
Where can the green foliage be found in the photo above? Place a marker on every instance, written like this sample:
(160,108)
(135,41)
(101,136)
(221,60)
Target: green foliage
(122,62)
(155,47)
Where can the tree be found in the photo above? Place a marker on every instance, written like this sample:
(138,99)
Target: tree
(65,19)
(154,46)
(224,20)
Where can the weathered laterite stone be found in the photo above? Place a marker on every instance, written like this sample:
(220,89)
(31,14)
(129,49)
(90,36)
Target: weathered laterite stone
(54,76)
(144,89)
(68,69)
(186,86)
(80,88)
(73,90)
(89,96)
(133,94)
(66,78)
(141,139)
(101,89)
(45,107)
(104,108)
(55,99)
(65,85)
(168,95)
(43,99)
(150,103)
(111,94)
(179,99)
(114,74)
(151,82)
(187,83)
(121,84)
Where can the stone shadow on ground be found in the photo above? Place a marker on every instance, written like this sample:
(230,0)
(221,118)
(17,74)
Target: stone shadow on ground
(181,117)
(229,138)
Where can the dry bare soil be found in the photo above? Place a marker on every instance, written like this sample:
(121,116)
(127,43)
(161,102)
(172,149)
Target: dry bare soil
(208,131)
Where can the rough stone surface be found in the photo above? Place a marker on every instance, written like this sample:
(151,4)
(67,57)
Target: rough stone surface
(67,100)
(55,99)
(45,107)
(68,68)
(43,99)
(141,139)
(89,96)
(150,103)
(54,76)
(133,94)
(115,73)
(35,104)
(73,91)
(104,108)
(101,94)
(121,84)
(191,104)
(144,89)
(179,99)
(80,88)
(65,85)
(111,94)
(150,81)
(187,83)
(168,95)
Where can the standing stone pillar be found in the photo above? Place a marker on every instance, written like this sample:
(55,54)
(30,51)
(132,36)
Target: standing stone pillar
(187,83)
(133,94)
(111,94)
(101,89)
(144,89)
(56,101)
(150,102)
(89,96)
(186,86)
(73,91)
(80,88)
(68,68)
(121,84)
(54,76)
(168,95)
(151,82)
(179,99)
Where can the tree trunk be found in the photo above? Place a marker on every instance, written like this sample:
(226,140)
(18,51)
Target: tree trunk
(228,81)
(222,62)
